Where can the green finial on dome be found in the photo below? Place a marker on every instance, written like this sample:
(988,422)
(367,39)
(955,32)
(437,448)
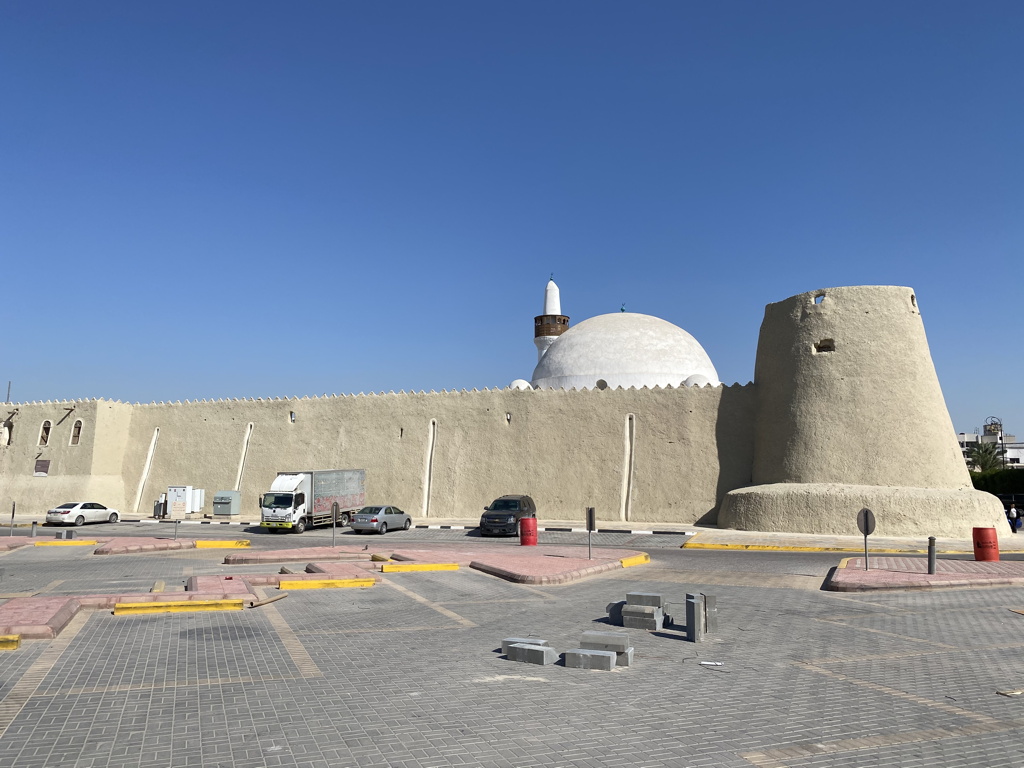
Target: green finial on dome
(623,307)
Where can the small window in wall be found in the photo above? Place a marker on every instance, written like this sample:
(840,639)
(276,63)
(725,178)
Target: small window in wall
(44,433)
(825,345)
(818,298)
(6,433)
(76,432)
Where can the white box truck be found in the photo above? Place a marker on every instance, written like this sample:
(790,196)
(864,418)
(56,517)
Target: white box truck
(300,500)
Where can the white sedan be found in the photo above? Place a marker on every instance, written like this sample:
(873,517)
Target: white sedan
(80,513)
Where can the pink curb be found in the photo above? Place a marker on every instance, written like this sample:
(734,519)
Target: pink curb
(892,572)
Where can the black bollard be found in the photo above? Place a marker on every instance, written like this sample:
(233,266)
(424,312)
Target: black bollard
(931,554)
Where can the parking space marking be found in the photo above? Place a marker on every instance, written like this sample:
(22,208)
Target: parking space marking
(909,638)
(430,604)
(293,646)
(734,579)
(778,758)
(23,690)
(165,684)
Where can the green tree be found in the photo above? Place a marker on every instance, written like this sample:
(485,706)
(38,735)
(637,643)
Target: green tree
(985,456)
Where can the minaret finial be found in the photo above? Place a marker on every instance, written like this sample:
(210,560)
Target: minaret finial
(623,307)
(552,276)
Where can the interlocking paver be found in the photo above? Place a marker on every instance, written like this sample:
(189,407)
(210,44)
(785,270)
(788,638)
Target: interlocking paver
(406,674)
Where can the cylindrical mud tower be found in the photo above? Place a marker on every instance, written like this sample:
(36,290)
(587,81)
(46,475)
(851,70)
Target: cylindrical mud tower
(850,415)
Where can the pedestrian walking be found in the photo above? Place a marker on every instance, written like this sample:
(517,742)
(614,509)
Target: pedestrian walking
(1012,515)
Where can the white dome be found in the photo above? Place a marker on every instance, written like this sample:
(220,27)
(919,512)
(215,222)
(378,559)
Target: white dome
(520,384)
(623,349)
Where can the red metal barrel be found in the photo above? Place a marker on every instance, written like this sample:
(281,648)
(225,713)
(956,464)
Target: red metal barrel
(986,545)
(528,532)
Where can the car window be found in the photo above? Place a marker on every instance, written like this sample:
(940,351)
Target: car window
(72,505)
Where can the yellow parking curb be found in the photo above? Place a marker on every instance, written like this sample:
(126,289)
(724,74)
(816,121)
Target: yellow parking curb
(409,567)
(640,559)
(9,642)
(237,544)
(72,543)
(326,583)
(173,606)
(380,558)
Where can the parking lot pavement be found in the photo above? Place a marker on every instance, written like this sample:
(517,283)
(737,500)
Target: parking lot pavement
(406,674)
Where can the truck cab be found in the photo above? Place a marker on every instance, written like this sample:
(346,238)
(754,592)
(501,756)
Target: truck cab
(284,506)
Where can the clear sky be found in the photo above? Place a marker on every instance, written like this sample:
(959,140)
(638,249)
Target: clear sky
(228,199)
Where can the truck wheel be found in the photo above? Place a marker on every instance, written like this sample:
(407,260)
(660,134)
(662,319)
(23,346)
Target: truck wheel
(383,528)
(300,526)
(344,519)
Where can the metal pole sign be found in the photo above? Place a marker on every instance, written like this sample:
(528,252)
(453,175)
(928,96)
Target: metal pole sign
(591,527)
(866,524)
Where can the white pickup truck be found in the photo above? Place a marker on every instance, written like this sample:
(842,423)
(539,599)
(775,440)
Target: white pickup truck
(300,500)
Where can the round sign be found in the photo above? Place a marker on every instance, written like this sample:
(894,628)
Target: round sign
(866,521)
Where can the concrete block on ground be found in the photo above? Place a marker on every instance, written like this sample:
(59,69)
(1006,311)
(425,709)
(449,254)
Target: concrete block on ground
(696,622)
(586,658)
(523,640)
(645,598)
(605,641)
(624,659)
(711,614)
(615,612)
(532,654)
(642,617)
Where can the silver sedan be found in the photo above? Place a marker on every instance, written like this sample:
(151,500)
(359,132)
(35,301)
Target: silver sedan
(380,520)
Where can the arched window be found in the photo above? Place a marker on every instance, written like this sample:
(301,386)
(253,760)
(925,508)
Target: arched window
(44,433)
(76,432)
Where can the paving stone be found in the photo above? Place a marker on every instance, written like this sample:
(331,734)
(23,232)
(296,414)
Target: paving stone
(586,658)
(645,598)
(532,654)
(605,641)
(642,617)
(524,640)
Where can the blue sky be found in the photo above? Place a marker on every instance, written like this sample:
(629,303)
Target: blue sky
(204,200)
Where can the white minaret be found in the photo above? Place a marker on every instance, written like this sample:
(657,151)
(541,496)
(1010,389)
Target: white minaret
(552,324)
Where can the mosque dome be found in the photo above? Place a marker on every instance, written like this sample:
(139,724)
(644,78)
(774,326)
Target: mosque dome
(624,349)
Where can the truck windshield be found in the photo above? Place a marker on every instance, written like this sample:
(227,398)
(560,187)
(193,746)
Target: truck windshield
(277,500)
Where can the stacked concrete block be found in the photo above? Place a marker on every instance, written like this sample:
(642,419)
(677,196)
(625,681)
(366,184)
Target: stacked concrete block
(586,658)
(642,617)
(614,642)
(652,599)
(532,654)
(640,610)
(509,641)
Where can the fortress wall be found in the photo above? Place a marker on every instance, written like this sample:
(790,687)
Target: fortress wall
(89,470)
(568,449)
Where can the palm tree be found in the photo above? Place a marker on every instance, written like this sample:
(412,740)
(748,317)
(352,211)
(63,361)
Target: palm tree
(985,456)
